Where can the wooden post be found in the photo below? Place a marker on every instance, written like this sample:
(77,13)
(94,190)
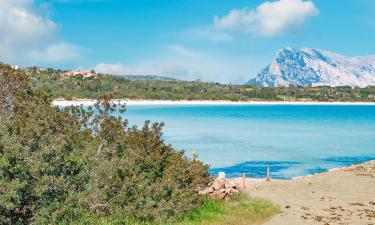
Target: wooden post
(244,181)
(268,174)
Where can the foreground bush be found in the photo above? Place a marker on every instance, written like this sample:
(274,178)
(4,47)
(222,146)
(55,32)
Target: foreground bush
(68,166)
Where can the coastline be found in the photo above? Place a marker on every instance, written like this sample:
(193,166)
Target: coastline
(88,102)
(252,180)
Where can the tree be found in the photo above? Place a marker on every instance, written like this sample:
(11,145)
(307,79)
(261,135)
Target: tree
(78,77)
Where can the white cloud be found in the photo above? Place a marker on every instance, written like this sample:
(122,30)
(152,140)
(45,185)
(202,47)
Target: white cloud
(28,36)
(210,34)
(269,18)
(205,67)
(57,52)
(182,51)
(150,68)
(173,69)
(118,69)
(173,64)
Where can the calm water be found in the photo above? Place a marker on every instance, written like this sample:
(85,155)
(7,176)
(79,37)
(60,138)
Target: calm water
(293,140)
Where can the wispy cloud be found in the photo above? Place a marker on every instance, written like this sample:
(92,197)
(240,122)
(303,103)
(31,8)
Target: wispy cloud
(119,69)
(269,18)
(202,66)
(182,50)
(57,52)
(209,33)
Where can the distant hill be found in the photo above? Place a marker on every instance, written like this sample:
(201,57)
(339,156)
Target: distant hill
(146,77)
(314,67)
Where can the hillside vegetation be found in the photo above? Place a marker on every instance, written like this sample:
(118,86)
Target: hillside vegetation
(120,87)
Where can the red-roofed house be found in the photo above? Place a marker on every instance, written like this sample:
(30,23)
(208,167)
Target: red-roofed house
(85,74)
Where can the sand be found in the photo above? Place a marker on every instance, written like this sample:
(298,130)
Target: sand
(78,102)
(341,196)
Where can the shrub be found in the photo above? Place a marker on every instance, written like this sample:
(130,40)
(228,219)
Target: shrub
(63,166)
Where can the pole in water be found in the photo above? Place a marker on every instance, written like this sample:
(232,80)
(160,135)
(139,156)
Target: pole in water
(268,174)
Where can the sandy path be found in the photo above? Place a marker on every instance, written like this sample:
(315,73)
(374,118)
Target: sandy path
(339,197)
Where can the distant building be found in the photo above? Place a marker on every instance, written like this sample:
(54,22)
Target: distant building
(85,74)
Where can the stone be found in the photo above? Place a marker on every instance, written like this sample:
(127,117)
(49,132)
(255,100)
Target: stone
(221,188)
(222,195)
(230,184)
(216,195)
(228,190)
(204,192)
(210,190)
(222,182)
(216,186)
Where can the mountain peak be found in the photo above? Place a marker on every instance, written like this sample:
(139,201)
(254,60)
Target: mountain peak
(286,51)
(317,67)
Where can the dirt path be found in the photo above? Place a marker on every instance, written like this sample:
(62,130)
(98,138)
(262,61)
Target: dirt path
(345,196)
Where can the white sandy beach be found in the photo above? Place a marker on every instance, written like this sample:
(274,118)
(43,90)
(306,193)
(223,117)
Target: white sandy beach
(87,102)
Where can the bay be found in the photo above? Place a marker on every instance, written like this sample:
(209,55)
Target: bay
(294,140)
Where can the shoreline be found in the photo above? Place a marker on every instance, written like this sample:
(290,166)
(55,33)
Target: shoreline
(335,169)
(88,102)
(252,180)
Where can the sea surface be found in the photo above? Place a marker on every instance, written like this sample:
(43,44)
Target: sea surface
(294,140)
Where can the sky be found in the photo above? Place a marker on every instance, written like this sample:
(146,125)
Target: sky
(227,41)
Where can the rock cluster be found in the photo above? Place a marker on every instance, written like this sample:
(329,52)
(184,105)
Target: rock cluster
(221,188)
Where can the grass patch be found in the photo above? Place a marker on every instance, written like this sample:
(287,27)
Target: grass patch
(238,210)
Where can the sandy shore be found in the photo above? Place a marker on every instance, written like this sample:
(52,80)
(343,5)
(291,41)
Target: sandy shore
(79,102)
(340,196)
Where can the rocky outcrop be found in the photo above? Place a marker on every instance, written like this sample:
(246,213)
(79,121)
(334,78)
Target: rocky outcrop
(221,188)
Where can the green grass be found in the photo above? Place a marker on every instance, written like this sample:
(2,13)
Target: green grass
(238,210)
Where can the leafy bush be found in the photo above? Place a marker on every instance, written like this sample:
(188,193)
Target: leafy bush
(65,166)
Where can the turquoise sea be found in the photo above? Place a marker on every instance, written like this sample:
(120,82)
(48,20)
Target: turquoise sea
(294,140)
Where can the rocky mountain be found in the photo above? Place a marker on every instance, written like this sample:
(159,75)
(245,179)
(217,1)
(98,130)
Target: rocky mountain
(316,67)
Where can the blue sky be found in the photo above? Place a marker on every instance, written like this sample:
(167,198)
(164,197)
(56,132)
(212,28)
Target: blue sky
(211,40)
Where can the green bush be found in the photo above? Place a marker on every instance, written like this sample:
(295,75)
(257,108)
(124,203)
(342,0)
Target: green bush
(69,166)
